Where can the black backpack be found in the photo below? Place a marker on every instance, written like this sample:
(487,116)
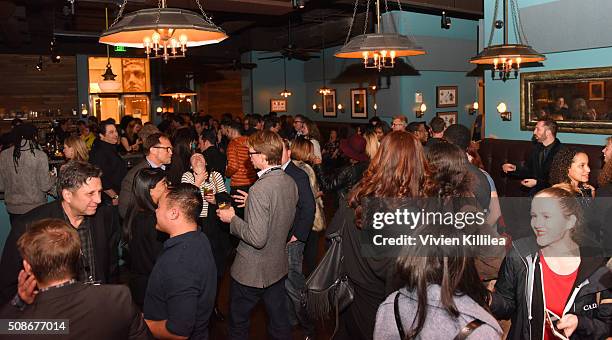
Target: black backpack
(327,287)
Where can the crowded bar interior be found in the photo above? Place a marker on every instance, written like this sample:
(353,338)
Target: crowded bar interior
(305,169)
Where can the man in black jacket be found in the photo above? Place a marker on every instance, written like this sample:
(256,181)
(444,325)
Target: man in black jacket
(51,251)
(105,156)
(302,225)
(535,172)
(80,189)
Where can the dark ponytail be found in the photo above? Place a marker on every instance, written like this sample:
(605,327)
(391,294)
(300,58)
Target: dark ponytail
(24,132)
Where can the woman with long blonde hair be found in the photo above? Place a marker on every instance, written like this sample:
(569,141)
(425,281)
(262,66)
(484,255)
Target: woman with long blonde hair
(75,149)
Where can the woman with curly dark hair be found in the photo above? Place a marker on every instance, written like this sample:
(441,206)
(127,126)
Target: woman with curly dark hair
(398,170)
(605,176)
(571,165)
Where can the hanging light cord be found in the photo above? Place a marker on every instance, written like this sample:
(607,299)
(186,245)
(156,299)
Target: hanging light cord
(285,72)
(348,35)
(120,13)
(518,24)
(493,23)
(107,46)
(365,22)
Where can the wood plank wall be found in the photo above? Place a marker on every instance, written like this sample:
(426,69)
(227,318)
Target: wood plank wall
(23,88)
(220,96)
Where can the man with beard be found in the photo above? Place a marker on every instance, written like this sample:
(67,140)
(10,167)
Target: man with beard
(535,172)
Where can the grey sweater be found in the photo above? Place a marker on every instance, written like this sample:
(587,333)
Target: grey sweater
(438,324)
(27,188)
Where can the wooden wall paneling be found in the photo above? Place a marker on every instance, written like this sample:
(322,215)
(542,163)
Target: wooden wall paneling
(26,89)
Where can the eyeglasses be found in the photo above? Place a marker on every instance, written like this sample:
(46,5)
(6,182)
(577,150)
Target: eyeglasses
(168,148)
(254,153)
(398,124)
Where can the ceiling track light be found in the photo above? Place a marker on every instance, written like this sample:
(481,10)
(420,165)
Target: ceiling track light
(445,21)
(39,65)
(56,58)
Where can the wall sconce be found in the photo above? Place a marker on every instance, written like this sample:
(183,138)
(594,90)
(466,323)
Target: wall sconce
(504,114)
(315,108)
(473,109)
(84,111)
(159,109)
(341,108)
(420,111)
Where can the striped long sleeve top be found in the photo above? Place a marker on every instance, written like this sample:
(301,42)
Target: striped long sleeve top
(214,182)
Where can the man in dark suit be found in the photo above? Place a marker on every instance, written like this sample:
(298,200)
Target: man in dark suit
(535,172)
(80,188)
(302,225)
(158,153)
(51,253)
(261,265)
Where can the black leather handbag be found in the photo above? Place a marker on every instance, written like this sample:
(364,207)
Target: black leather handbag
(327,288)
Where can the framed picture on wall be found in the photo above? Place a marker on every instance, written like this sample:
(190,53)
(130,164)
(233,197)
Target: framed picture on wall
(596,90)
(446,96)
(278,105)
(359,103)
(329,104)
(449,117)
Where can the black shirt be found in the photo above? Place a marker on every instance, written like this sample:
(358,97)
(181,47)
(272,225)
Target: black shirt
(215,160)
(182,286)
(106,157)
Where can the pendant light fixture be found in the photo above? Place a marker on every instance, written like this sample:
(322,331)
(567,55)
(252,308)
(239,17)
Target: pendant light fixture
(178,93)
(378,50)
(108,84)
(324,90)
(163,32)
(285,93)
(506,58)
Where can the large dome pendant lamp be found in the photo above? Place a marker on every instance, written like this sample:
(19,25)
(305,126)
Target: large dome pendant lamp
(163,32)
(506,59)
(378,50)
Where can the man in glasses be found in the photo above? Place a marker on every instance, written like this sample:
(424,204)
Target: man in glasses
(260,268)
(158,154)
(399,123)
(298,125)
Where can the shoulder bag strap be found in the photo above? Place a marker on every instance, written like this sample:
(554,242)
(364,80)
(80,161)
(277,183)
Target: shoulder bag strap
(398,319)
(468,329)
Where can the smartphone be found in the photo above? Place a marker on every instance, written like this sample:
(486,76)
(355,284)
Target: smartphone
(552,320)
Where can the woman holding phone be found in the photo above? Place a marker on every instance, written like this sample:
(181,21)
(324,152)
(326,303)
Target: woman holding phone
(554,285)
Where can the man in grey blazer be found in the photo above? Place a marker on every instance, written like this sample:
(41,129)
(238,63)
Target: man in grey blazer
(260,267)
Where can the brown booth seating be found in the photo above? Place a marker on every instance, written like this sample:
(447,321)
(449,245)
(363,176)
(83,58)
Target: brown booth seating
(495,152)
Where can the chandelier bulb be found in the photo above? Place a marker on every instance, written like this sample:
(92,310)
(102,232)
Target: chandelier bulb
(155,37)
(183,39)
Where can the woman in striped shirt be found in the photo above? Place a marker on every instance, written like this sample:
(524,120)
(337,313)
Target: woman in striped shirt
(210,184)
